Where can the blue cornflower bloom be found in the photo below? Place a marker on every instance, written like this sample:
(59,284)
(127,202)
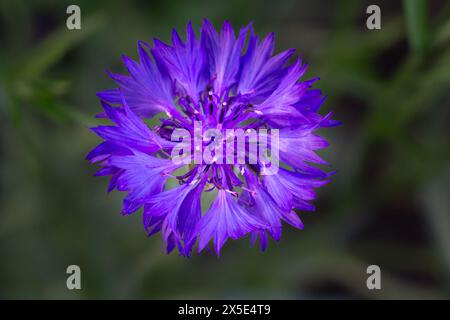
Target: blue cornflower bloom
(215,81)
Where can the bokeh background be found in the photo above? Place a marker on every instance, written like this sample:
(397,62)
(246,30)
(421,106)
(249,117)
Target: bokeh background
(388,205)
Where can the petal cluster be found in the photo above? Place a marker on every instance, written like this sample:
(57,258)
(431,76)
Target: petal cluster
(223,80)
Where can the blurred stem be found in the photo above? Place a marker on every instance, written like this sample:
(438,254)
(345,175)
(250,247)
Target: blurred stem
(53,48)
(437,204)
(417,25)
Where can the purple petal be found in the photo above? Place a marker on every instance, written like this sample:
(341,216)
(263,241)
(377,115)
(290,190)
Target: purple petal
(261,74)
(146,90)
(225,219)
(298,145)
(292,189)
(130,132)
(184,62)
(224,53)
(143,176)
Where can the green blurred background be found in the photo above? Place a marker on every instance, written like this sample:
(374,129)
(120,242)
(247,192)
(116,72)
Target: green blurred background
(388,205)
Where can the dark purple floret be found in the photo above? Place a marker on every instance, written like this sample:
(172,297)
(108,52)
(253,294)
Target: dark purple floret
(220,81)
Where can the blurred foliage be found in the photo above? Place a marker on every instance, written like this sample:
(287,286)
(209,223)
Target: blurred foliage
(388,204)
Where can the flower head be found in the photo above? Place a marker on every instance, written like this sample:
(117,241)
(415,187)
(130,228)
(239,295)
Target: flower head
(222,101)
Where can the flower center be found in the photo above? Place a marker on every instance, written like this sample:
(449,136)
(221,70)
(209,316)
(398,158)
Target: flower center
(211,112)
